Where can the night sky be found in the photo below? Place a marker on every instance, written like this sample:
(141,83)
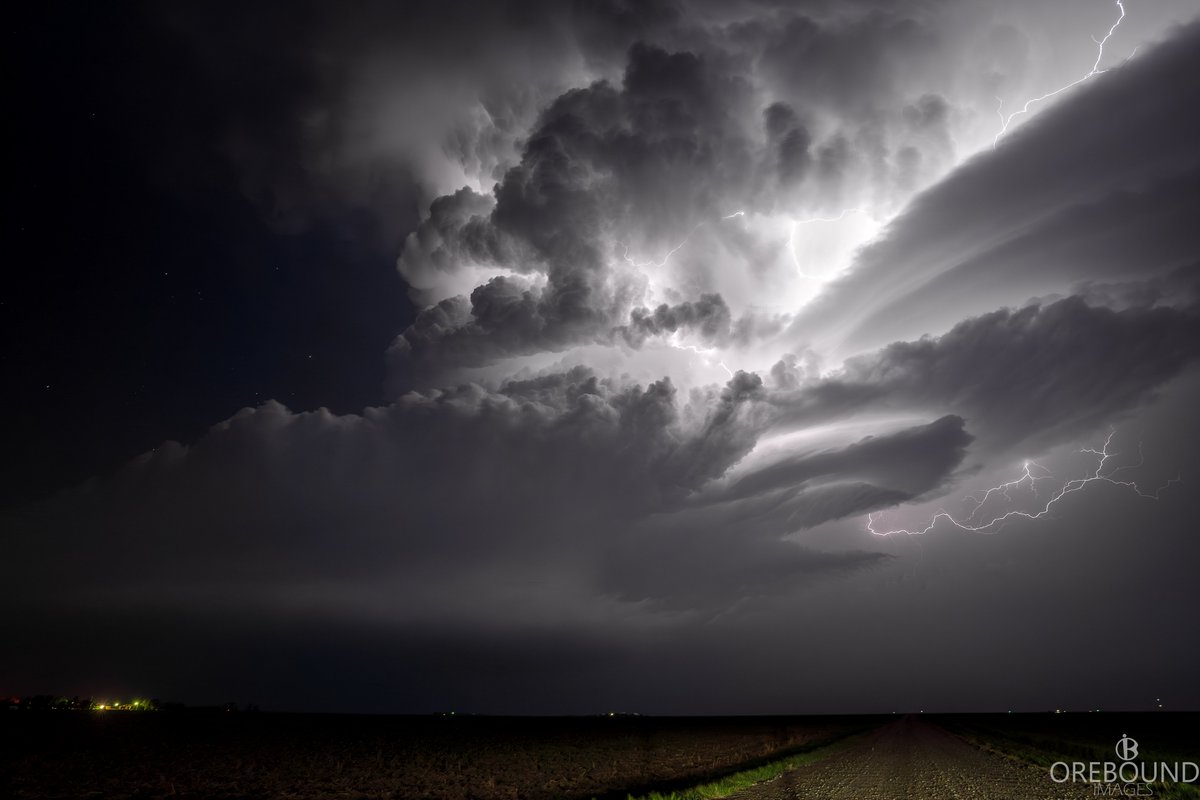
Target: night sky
(669,357)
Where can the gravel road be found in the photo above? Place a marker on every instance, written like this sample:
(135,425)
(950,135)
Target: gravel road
(913,759)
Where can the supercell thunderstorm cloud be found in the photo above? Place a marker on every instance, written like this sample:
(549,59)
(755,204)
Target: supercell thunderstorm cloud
(704,307)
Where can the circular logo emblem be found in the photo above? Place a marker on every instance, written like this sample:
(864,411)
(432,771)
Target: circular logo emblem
(1127,749)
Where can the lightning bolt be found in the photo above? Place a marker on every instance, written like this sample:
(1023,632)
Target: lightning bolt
(706,355)
(1094,71)
(796,223)
(631,261)
(1031,474)
(663,262)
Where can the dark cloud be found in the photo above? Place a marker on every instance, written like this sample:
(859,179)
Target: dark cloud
(562,479)
(686,565)
(320,123)
(455,234)
(1033,376)
(730,543)
(708,317)
(316,497)
(791,142)
(737,529)
(789,371)
(849,64)
(911,462)
(1178,288)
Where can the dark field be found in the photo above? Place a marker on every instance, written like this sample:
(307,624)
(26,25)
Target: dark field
(1083,737)
(986,757)
(214,755)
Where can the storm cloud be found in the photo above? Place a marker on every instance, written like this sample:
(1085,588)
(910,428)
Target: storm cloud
(694,288)
(1104,188)
(1046,373)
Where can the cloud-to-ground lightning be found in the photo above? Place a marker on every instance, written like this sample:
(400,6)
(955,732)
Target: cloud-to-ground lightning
(1030,476)
(1094,71)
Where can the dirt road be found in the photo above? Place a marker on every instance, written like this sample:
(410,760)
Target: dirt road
(915,760)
